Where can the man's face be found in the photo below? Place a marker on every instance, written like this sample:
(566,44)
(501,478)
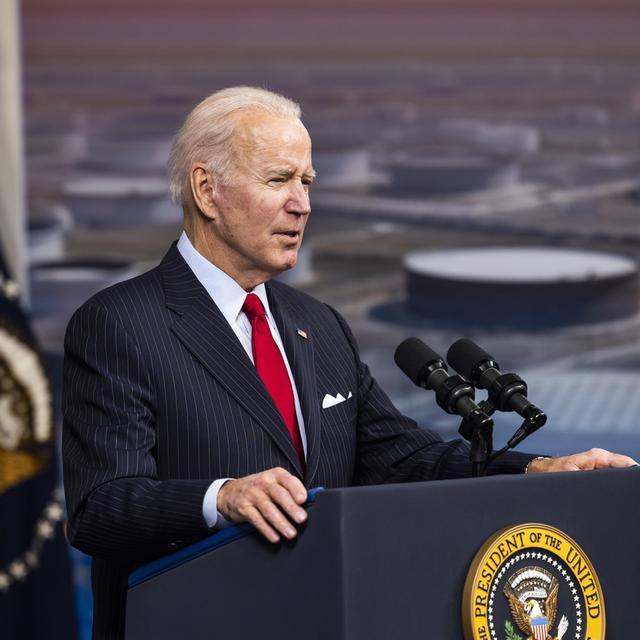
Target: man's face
(262,212)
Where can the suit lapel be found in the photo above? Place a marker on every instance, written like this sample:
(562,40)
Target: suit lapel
(300,354)
(203,330)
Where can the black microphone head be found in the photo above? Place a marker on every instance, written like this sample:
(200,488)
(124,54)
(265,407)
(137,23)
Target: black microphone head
(465,356)
(414,357)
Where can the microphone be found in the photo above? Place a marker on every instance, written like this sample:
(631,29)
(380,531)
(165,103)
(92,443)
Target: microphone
(507,391)
(428,370)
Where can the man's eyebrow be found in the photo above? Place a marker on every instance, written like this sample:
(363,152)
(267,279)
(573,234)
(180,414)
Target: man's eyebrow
(287,173)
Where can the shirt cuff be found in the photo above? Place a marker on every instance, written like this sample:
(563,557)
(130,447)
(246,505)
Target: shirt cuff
(212,516)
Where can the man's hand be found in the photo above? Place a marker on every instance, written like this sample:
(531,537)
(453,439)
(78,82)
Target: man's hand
(269,500)
(593,459)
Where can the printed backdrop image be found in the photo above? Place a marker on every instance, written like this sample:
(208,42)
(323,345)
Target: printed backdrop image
(478,176)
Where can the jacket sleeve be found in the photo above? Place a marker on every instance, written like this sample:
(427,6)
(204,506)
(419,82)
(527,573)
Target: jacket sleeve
(392,448)
(117,506)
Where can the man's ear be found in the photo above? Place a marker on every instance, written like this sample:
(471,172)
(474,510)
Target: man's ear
(203,186)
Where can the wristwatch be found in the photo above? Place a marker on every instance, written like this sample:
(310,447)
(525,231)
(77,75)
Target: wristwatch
(526,469)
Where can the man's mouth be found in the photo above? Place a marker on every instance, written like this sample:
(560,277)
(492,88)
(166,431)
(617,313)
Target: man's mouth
(289,234)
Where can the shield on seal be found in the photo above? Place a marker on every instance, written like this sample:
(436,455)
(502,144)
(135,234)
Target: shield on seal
(539,628)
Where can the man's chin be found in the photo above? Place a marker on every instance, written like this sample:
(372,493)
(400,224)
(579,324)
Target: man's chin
(286,268)
(275,268)
(290,260)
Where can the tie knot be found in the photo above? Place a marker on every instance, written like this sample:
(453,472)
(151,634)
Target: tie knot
(253,307)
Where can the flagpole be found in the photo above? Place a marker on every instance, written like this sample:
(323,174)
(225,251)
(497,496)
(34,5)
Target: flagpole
(12,178)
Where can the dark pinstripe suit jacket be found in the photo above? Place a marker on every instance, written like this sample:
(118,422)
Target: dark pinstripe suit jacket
(160,399)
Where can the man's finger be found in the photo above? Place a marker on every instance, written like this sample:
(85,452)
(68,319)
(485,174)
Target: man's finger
(292,485)
(603,458)
(255,518)
(283,498)
(274,517)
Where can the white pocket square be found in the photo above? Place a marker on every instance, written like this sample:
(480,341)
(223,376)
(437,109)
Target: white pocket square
(330,401)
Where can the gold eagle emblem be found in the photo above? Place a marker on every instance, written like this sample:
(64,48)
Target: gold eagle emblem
(532,594)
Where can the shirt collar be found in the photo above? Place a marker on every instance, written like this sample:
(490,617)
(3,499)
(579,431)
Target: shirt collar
(228,295)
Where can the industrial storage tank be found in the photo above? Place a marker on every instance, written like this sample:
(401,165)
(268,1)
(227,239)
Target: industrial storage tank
(521,288)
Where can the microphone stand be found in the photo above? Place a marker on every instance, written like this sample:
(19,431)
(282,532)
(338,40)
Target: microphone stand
(477,428)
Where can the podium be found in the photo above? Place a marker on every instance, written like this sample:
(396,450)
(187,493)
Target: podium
(386,562)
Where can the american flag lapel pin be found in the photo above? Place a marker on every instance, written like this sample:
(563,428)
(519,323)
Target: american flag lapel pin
(302,334)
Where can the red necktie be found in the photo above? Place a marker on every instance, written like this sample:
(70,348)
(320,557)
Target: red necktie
(272,369)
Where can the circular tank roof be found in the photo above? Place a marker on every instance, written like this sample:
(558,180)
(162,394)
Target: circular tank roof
(115,186)
(518,265)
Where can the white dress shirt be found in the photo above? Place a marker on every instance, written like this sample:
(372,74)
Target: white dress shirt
(229,297)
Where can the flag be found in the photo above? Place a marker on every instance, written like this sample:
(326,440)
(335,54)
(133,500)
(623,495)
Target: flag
(35,584)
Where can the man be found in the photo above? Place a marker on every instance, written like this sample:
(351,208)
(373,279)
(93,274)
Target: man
(194,393)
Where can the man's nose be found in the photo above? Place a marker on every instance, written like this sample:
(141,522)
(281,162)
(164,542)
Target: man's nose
(299,199)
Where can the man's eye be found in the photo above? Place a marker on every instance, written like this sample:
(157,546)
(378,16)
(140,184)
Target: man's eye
(279,179)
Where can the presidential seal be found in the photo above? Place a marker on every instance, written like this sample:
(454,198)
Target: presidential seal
(26,410)
(26,441)
(532,582)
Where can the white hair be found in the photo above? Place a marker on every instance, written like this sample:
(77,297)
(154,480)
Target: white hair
(205,135)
